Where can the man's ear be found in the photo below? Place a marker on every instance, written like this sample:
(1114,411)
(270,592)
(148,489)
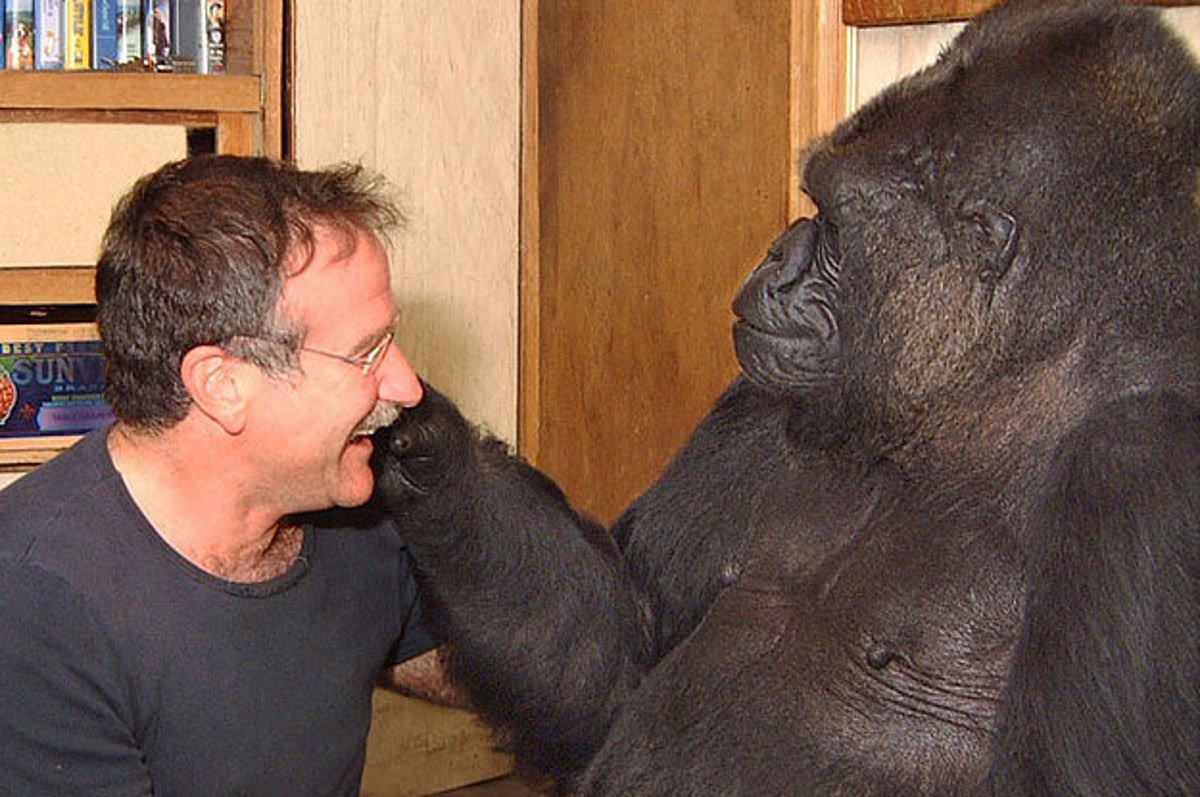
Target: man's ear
(220,385)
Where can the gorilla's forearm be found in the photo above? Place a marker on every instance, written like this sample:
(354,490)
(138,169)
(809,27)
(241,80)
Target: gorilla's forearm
(546,632)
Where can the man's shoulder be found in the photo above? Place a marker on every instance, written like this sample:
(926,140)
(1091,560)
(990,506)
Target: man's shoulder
(72,473)
(51,515)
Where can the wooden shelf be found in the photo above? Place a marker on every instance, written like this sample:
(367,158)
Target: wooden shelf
(22,453)
(868,13)
(125,91)
(48,285)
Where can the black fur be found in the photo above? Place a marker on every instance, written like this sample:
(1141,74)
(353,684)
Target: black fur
(944,538)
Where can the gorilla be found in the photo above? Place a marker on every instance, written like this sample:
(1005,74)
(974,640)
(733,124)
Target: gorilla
(941,536)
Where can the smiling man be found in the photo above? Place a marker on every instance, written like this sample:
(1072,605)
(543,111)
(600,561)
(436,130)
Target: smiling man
(180,614)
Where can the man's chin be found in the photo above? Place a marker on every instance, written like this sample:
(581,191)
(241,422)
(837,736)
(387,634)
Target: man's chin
(357,481)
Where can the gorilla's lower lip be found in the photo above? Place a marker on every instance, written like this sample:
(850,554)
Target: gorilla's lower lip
(778,360)
(744,327)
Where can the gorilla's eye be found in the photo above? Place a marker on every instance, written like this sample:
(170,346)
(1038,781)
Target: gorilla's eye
(848,206)
(996,233)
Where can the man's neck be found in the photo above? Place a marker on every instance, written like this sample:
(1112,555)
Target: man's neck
(190,491)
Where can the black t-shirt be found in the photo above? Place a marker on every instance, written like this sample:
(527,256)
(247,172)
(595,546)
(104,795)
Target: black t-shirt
(126,670)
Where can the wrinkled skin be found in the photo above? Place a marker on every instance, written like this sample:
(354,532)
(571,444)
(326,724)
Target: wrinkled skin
(943,536)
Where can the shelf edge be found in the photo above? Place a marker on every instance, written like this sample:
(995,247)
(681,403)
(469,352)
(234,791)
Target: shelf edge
(123,91)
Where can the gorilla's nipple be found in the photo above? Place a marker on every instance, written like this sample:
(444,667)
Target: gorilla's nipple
(881,655)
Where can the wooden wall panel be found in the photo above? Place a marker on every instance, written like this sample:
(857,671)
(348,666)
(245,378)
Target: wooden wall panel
(892,12)
(886,54)
(663,161)
(428,92)
(818,70)
(1186,22)
(59,196)
(416,748)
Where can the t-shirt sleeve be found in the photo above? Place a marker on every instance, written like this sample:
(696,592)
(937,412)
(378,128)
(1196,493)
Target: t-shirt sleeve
(415,638)
(65,726)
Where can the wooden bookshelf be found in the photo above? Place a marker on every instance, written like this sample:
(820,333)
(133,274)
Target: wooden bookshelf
(243,105)
(23,453)
(64,285)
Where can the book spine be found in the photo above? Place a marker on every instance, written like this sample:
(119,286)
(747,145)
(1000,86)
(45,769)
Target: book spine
(48,34)
(18,34)
(129,31)
(213,56)
(187,34)
(156,34)
(76,51)
(104,34)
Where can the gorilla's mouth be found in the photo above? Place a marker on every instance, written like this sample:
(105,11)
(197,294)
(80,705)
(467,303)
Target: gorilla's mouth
(786,335)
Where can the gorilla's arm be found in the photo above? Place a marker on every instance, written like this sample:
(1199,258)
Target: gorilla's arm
(687,537)
(547,633)
(1103,697)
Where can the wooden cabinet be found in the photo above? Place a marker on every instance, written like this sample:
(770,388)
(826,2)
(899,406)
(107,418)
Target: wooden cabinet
(239,112)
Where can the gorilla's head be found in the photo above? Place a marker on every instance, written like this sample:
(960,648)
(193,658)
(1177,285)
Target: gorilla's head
(1030,194)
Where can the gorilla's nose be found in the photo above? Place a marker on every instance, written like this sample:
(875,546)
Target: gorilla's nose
(782,270)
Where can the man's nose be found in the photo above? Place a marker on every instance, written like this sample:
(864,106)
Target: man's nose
(398,382)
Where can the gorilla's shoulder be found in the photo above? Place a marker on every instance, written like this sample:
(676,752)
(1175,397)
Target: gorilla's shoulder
(1147,441)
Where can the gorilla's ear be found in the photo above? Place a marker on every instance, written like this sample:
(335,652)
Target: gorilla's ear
(998,233)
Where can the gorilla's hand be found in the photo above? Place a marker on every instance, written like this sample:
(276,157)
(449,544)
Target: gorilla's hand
(426,449)
(787,336)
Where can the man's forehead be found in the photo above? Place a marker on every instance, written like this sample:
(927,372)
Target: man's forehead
(329,243)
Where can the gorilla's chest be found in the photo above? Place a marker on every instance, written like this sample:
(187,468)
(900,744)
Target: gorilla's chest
(879,640)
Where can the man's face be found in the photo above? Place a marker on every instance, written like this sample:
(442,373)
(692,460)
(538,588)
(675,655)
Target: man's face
(311,441)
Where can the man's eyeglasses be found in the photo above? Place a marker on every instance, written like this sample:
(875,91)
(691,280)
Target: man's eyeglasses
(368,363)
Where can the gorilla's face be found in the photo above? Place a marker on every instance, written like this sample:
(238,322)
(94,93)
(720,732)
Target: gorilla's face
(787,332)
(887,297)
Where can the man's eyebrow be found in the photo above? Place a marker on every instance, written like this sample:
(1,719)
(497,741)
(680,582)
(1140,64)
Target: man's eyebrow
(370,340)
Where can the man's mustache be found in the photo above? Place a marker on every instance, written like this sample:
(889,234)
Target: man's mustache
(382,414)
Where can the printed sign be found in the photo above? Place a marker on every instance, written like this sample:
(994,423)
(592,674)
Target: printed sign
(50,386)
